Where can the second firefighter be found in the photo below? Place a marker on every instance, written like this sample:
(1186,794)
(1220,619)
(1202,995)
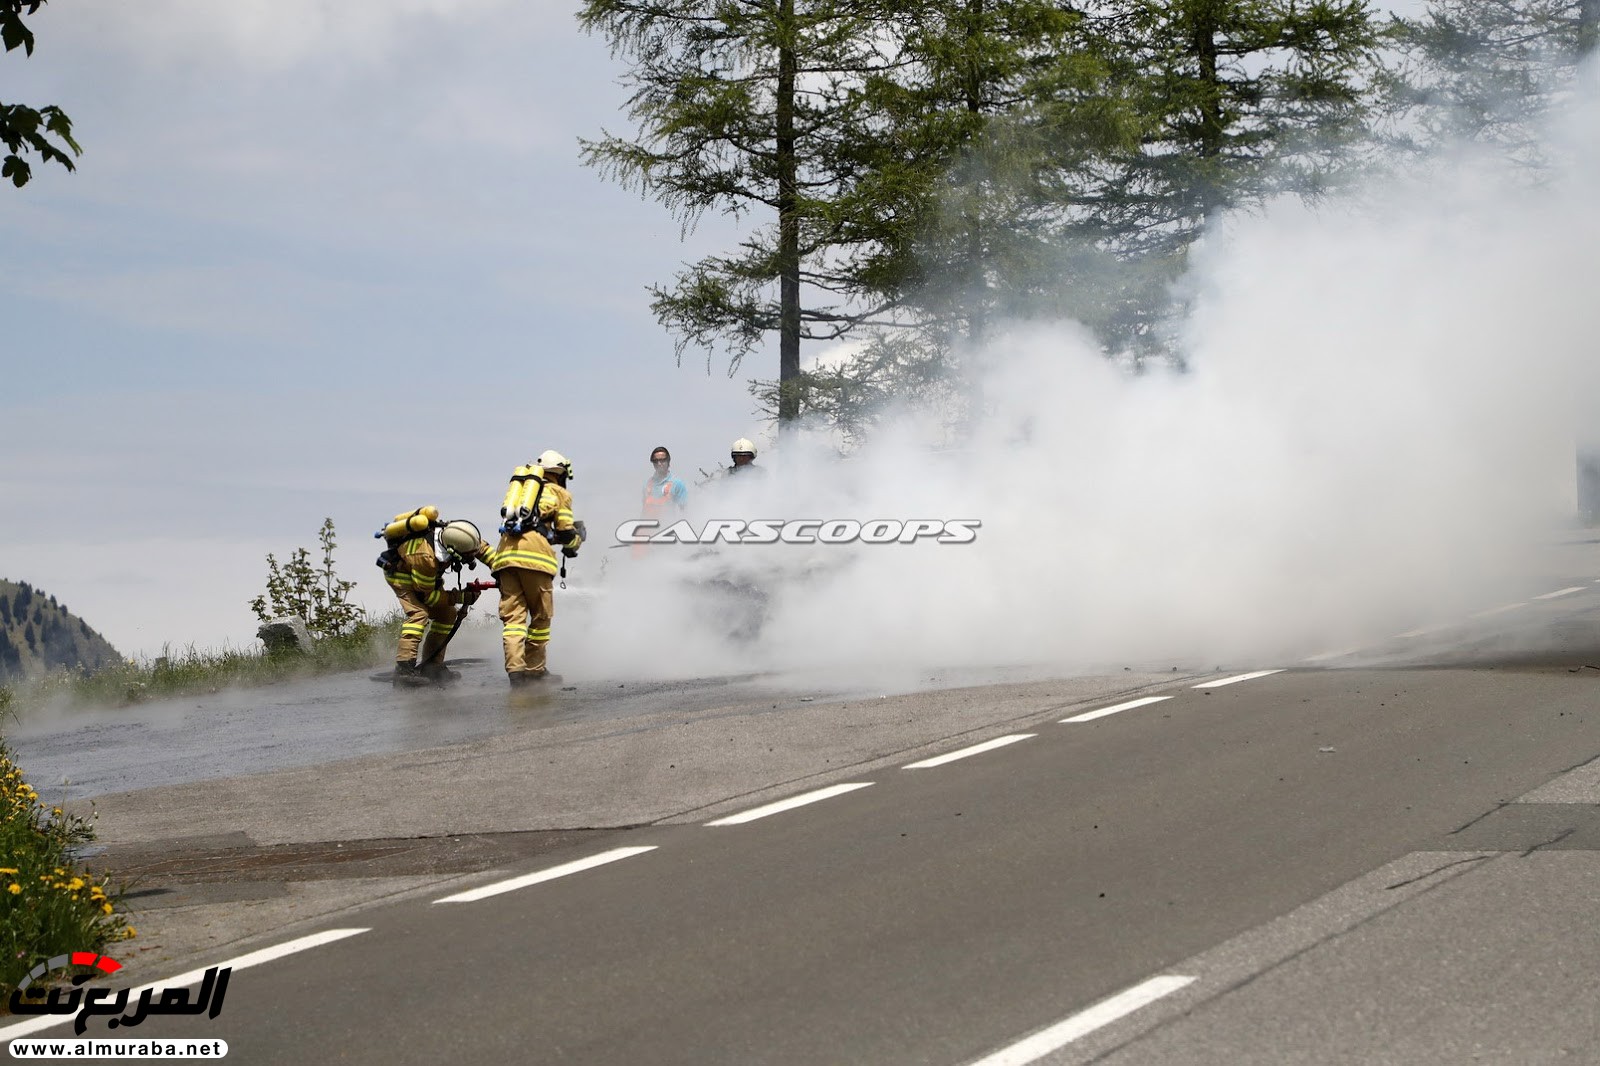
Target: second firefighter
(538,516)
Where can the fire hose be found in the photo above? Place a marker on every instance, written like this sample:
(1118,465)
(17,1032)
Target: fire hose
(461,615)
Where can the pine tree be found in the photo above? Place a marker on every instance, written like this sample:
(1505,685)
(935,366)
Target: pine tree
(753,110)
(975,135)
(999,102)
(1241,101)
(1488,70)
(10,658)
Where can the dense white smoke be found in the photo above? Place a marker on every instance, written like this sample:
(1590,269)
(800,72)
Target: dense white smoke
(1377,430)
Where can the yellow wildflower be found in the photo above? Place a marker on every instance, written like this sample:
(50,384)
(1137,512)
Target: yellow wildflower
(75,884)
(7,870)
(105,907)
(14,888)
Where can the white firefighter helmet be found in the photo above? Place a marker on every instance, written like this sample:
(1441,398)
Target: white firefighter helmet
(554,460)
(744,446)
(461,539)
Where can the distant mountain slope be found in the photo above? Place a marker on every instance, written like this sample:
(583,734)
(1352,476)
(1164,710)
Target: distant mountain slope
(38,635)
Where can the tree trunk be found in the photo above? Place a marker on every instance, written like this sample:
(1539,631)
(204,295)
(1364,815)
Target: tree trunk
(1212,128)
(1588,27)
(788,223)
(977,276)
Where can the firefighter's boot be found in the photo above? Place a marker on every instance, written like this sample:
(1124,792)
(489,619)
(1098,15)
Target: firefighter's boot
(439,673)
(407,675)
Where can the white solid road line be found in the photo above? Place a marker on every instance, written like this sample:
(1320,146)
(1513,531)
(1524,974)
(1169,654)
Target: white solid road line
(512,884)
(194,977)
(1561,592)
(1235,679)
(791,803)
(1085,1022)
(976,749)
(1089,716)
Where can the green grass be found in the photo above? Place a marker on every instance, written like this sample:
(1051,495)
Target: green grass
(193,670)
(48,905)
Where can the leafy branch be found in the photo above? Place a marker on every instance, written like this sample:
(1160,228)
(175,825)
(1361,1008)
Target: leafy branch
(318,597)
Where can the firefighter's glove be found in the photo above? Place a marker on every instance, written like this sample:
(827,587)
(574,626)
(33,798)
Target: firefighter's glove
(471,596)
(570,551)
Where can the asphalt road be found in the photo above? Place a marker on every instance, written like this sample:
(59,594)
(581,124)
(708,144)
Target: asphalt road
(944,913)
(1358,865)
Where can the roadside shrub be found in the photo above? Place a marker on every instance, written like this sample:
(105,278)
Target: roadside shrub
(48,904)
(318,597)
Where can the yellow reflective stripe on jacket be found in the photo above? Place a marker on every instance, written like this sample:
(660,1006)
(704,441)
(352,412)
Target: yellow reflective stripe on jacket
(408,581)
(418,570)
(525,560)
(523,551)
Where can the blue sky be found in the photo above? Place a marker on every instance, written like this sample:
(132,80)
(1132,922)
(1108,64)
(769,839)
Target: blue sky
(320,258)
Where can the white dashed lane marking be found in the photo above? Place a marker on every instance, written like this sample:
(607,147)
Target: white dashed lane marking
(791,803)
(1561,592)
(1085,1022)
(976,749)
(194,977)
(1089,716)
(1502,609)
(514,883)
(1422,631)
(1234,680)
(1322,657)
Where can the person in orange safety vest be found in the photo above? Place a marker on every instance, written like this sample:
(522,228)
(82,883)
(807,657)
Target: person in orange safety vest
(664,493)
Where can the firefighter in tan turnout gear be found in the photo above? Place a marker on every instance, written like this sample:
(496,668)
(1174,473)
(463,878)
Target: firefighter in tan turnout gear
(538,515)
(415,572)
